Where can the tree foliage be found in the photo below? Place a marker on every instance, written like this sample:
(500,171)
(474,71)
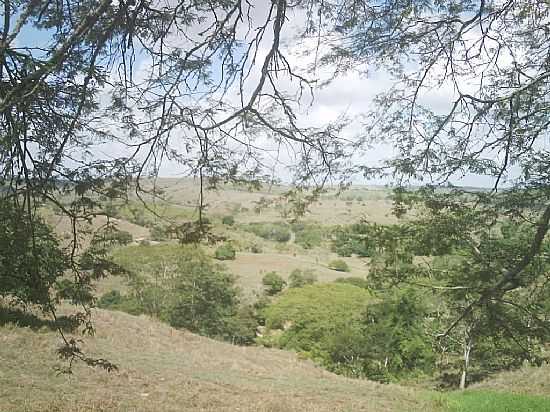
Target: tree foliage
(299,278)
(273,283)
(31,270)
(492,287)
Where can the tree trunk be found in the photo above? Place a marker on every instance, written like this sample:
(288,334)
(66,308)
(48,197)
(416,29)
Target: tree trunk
(467,350)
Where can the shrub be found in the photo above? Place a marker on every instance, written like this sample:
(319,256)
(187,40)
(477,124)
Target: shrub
(355,281)
(241,327)
(278,232)
(109,299)
(308,235)
(339,265)
(299,278)
(228,220)
(359,239)
(158,233)
(113,300)
(111,210)
(111,236)
(273,283)
(281,235)
(137,216)
(256,248)
(123,237)
(225,252)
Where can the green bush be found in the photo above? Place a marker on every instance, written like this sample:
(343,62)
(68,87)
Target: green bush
(299,278)
(123,237)
(278,232)
(339,265)
(242,326)
(225,252)
(256,248)
(359,239)
(228,220)
(110,299)
(311,316)
(273,283)
(158,233)
(111,210)
(308,235)
(113,300)
(111,236)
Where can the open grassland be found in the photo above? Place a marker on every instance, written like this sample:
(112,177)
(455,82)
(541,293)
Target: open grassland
(371,203)
(162,368)
(62,226)
(165,369)
(250,267)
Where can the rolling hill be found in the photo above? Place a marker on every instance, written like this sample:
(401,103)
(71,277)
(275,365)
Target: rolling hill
(163,369)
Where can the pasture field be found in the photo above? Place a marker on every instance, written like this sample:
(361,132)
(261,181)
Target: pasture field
(283,257)
(161,368)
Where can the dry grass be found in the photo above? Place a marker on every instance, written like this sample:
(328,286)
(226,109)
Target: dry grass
(527,380)
(63,227)
(250,267)
(374,204)
(162,369)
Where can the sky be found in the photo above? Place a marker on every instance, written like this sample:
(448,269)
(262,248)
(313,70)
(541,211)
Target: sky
(350,94)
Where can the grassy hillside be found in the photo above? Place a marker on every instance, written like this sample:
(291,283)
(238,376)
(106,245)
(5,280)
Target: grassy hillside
(332,208)
(163,369)
(170,370)
(527,380)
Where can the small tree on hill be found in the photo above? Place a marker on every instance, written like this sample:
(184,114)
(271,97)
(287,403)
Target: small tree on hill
(338,265)
(225,252)
(299,278)
(204,296)
(228,220)
(273,283)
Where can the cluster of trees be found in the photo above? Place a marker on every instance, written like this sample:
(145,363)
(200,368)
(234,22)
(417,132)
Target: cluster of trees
(307,235)
(460,290)
(184,287)
(188,291)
